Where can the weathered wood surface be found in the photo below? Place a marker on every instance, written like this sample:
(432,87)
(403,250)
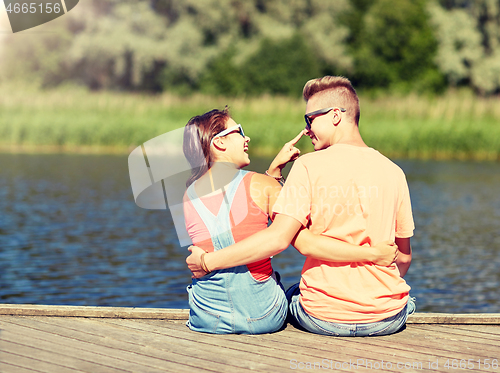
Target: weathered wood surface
(455,318)
(97,312)
(113,344)
(182,314)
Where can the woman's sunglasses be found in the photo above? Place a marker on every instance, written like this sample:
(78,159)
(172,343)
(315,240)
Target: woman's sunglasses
(310,117)
(228,131)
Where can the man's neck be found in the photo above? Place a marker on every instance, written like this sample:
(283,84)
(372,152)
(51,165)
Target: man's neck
(350,138)
(353,142)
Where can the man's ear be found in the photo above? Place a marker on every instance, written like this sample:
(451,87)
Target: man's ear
(336,118)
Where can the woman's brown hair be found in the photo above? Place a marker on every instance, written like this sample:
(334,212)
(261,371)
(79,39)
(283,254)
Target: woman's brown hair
(198,134)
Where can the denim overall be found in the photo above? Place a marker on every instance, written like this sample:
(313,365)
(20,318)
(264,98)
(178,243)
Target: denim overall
(231,300)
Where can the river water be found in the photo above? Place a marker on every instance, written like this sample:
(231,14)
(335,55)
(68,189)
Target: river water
(71,234)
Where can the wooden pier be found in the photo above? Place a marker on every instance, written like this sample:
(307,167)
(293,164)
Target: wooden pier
(63,339)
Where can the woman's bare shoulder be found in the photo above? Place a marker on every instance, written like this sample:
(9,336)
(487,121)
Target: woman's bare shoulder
(264,182)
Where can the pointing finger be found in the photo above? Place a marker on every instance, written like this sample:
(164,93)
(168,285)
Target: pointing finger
(296,139)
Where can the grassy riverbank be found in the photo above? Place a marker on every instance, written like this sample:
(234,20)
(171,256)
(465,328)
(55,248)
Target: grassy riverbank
(456,125)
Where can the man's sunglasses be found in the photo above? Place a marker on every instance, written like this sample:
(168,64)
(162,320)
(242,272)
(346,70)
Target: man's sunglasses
(228,131)
(310,117)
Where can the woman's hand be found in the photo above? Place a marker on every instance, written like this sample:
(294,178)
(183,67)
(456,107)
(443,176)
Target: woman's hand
(194,261)
(385,253)
(287,153)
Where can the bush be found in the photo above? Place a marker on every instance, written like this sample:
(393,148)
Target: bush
(281,67)
(396,46)
(278,67)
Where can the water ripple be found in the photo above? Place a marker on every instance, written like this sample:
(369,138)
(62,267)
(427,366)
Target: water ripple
(70,233)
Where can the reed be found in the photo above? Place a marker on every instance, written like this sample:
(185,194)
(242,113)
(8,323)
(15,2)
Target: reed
(457,124)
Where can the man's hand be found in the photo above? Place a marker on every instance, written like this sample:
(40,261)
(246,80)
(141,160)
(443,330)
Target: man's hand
(194,262)
(385,253)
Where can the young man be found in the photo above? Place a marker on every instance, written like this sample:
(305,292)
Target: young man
(344,190)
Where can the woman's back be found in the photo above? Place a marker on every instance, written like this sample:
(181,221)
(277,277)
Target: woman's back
(244,299)
(246,218)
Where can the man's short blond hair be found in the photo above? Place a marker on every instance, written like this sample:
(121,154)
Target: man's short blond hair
(334,91)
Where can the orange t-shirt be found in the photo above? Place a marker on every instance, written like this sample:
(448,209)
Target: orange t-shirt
(357,195)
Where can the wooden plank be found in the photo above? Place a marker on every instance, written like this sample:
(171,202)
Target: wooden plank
(87,311)
(466,335)
(189,348)
(454,318)
(141,340)
(310,348)
(439,343)
(323,345)
(108,337)
(410,346)
(211,347)
(457,342)
(186,355)
(183,314)
(20,363)
(15,346)
(276,355)
(487,330)
(320,347)
(128,361)
(12,368)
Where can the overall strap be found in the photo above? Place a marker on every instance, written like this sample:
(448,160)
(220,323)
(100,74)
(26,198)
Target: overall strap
(219,227)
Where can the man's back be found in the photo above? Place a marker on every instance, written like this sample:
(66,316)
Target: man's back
(357,195)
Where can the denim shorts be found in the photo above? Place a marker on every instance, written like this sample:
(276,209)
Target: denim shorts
(302,320)
(247,306)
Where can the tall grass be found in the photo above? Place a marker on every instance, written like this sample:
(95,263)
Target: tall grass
(456,125)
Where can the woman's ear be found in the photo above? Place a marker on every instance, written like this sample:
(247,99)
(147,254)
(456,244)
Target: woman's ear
(219,144)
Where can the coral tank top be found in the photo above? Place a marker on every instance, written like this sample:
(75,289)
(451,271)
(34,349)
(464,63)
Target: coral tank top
(246,219)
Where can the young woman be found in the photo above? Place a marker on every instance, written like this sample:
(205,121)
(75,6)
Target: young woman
(224,204)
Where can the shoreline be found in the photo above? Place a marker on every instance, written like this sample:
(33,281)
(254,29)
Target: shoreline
(455,125)
(480,156)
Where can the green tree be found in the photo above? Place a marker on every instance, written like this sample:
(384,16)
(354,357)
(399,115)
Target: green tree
(468,34)
(167,44)
(222,76)
(36,57)
(393,44)
(280,67)
(459,43)
(102,44)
